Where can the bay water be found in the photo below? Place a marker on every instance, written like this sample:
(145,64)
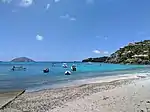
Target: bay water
(33,77)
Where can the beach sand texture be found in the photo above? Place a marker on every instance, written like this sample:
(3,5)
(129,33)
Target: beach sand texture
(129,98)
(7,97)
(130,95)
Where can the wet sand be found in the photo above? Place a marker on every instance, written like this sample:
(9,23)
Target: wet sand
(125,95)
(8,97)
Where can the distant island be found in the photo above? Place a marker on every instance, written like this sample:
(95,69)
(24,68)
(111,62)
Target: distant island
(133,53)
(22,59)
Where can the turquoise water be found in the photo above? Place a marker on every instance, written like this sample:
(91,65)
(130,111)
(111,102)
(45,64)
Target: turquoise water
(34,77)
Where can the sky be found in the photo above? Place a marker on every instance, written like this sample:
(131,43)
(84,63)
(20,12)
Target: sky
(68,30)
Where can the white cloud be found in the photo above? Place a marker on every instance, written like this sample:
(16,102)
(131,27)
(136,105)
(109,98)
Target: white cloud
(56,1)
(100,52)
(47,6)
(67,16)
(97,51)
(89,1)
(72,19)
(6,1)
(39,37)
(26,3)
(102,37)
(106,52)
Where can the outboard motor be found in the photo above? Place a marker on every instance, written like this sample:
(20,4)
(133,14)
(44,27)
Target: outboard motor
(67,73)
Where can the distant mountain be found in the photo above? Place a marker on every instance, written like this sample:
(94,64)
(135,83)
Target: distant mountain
(99,59)
(22,59)
(133,53)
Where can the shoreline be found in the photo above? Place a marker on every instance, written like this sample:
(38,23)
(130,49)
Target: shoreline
(74,83)
(49,99)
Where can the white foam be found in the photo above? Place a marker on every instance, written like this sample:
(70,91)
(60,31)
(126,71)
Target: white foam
(92,80)
(103,79)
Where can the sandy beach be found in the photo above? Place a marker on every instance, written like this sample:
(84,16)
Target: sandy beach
(124,95)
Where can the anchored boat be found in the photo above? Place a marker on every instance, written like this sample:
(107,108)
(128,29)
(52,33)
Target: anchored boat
(16,68)
(46,70)
(73,68)
(64,65)
(67,73)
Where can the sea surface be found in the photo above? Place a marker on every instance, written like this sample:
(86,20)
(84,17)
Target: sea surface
(33,77)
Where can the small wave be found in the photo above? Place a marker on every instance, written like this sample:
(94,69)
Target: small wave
(92,80)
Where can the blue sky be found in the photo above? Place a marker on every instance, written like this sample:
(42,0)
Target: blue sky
(58,30)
